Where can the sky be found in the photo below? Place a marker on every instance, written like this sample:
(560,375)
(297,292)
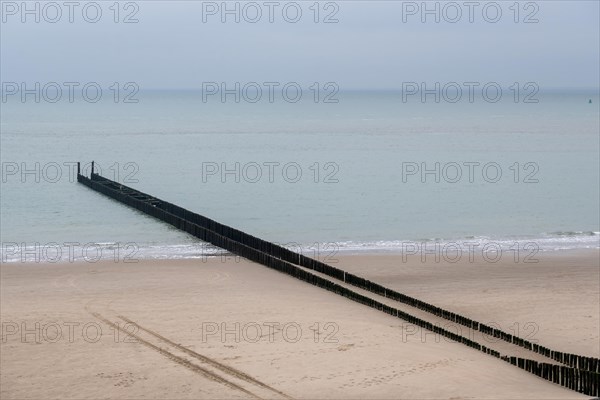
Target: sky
(363,45)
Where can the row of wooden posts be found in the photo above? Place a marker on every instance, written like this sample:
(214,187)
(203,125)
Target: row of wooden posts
(584,380)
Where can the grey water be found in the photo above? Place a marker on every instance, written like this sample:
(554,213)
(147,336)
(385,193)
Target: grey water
(368,173)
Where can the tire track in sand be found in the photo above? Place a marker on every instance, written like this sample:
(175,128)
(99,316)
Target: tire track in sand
(179,360)
(222,367)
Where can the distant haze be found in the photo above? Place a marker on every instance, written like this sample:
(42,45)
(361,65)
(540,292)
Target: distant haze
(370,47)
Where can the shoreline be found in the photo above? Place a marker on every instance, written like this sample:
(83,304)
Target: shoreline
(328,252)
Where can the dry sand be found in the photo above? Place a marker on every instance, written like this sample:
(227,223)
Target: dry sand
(196,326)
(555,301)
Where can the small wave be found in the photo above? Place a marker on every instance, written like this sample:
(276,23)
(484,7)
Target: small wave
(546,242)
(132,252)
(106,251)
(575,233)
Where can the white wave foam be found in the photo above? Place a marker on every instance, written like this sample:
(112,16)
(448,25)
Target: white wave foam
(132,252)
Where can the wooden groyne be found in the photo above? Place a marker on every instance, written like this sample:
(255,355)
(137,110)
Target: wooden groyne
(579,373)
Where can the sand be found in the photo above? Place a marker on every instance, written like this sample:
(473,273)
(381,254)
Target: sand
(555,301)
(181,329)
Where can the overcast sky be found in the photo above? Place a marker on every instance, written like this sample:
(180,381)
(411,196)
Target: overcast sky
(374,44)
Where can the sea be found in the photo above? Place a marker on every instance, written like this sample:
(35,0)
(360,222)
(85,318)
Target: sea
(364,172)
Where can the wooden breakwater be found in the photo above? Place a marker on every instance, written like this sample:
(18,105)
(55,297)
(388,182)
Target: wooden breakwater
(579,373)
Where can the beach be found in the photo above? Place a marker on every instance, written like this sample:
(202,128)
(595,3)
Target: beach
(224,327)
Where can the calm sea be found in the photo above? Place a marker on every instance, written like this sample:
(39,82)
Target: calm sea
(368,173)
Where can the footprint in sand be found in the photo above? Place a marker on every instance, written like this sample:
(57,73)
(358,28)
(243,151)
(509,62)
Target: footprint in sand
(345,347)
(123,379)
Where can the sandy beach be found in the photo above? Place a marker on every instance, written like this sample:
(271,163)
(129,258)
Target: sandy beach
(229,328)
(322,200)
